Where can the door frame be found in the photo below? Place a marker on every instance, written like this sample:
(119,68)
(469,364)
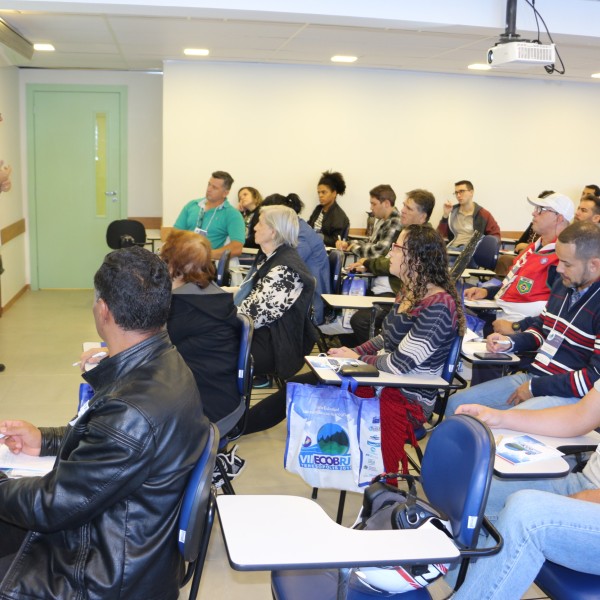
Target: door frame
(30,90)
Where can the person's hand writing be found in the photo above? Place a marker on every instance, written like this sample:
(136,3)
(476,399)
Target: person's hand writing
(490,416)
(342,352)
(359,266)
(521,394)
(341,245)
(496,342)
(92,356)
(502,326)
(475,293)
(21,436)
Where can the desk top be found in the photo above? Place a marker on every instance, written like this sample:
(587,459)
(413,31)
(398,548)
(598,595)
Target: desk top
(327,375)
(346,301)
(478,272)
(252,251)
(278,532)
(484,303)
(468,352)
(548,468)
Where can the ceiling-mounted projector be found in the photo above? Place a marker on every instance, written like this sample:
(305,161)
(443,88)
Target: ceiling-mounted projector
(521,53)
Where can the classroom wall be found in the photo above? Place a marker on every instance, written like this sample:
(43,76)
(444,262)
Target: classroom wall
(277,127)
(12,206)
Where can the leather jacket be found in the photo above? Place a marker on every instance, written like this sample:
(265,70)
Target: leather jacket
(103,523)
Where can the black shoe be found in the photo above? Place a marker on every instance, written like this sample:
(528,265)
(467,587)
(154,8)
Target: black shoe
(261,381)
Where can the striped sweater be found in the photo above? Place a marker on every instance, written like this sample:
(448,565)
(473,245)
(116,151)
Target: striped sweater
(415,342)
(575,366)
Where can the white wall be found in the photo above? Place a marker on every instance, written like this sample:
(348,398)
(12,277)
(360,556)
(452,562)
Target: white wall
(277,127)
(144,154)
(11,203)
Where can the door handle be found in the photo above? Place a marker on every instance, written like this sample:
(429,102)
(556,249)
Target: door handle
(110,193)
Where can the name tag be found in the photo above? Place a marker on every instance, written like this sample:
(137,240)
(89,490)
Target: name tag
(201,231)
(549,348)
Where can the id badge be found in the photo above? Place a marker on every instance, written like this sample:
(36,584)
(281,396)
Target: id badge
(549,348)
(203,232)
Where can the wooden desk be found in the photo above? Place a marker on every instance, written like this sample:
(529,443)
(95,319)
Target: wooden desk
(543,469)
(329,376)
(152,236)
(346,301)
(282,532)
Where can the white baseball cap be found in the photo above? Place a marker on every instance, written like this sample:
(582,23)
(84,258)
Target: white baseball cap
(559,203)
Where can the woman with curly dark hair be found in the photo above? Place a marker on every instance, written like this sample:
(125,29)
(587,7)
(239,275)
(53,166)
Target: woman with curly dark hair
(328,219)
(416,337)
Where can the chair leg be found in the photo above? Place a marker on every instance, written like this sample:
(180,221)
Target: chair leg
(315,491)
(341,503)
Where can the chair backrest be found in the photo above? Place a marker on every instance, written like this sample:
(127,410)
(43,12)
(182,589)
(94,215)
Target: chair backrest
(486,253)
(336,263)
(456,473)
(125,232)
(452,360)
(223,274)
(245,363)
(194,513)
(464,258)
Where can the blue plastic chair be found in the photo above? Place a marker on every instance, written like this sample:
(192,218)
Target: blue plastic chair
(560,583)
(244,383)
(223,274)
(197,514)
(456,474)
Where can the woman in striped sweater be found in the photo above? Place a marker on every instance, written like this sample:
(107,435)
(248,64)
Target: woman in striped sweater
(416,338)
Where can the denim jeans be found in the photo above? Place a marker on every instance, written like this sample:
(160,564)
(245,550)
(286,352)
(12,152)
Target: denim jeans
(538,522)
(495,393)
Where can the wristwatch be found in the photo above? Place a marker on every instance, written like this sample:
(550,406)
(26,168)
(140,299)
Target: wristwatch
(516,327)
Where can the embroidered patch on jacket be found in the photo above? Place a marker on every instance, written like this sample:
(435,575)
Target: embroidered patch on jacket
(524,286)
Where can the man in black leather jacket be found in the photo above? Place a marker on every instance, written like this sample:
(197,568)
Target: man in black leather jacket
(102,524)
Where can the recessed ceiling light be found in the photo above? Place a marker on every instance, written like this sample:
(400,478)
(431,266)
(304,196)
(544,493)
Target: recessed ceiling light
(344,59)
(196,52)
(479,67)
(43,47)
(596,75)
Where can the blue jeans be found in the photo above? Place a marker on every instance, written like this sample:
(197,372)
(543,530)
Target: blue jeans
(495,393)
(538,523)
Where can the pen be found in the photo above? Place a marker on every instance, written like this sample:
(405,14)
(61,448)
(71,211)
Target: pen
(97,355)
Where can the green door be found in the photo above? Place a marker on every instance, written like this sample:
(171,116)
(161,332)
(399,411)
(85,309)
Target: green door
(77,179)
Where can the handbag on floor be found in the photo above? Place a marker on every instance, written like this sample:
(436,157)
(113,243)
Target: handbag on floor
(387,507)
(333,436)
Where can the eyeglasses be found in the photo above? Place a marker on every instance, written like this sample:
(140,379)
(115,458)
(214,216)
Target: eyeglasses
(396,247)
(459,192)
(538,210)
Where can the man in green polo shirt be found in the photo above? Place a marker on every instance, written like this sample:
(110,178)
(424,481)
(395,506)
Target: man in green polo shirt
(215,218)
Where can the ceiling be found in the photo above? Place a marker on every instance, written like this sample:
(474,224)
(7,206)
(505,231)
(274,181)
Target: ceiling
(140,38)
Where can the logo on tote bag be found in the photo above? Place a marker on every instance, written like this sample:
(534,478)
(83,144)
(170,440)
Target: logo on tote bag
(332,450)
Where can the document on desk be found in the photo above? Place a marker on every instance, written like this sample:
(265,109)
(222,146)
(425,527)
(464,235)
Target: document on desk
(524,449)
(481,303)
(21,465)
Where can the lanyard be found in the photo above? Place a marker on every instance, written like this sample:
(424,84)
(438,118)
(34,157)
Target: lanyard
(552,334)
(203,212)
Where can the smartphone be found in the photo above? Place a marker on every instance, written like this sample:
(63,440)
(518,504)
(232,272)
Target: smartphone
(492,356)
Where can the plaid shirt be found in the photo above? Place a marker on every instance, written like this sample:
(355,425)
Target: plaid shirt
(384,235)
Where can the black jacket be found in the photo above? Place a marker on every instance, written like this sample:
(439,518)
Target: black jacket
(103,523)
(206,331)
(335,223)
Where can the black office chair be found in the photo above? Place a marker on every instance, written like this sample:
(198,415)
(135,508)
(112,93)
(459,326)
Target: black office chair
(197,514)
(245,367)
(125,233)
(223,273)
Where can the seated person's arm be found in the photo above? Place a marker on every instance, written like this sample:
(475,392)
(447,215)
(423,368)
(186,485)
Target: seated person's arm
(272,296)
(476,293)
(235,247)
(378,266)
(568,420)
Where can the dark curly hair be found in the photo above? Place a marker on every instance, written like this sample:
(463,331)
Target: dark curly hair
(427,261)
(291,201)
(334,181)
